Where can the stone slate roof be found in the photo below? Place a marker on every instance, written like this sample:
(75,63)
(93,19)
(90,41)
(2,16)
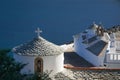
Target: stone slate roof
(75,60)
(97,47)
(38,46)
(90,40)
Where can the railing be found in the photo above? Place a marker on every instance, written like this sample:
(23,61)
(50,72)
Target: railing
(113,57)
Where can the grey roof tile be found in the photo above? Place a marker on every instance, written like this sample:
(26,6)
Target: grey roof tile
(38,46)
(75,60)
(97,47)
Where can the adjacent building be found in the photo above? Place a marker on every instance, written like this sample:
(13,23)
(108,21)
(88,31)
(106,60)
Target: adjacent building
(99,46)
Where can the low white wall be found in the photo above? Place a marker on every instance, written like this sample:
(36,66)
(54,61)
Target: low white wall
(113,65)
(80,49)
(55,63)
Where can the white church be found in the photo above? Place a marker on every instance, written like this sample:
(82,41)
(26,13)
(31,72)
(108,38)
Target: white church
(95,45)
(40,55)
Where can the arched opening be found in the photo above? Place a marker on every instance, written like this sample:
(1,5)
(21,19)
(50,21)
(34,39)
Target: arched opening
(38,65)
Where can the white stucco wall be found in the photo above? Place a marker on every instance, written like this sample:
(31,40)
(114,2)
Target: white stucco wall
(54,63)
(91,33)
(80,49)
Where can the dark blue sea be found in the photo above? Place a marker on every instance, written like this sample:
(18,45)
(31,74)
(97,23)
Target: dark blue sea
(58,19)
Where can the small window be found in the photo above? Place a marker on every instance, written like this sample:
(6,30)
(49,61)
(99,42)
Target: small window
(38,64)
(118,57)
(111,56)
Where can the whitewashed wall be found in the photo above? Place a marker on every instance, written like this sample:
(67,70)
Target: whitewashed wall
(55,63)
(91,33)
(80,49)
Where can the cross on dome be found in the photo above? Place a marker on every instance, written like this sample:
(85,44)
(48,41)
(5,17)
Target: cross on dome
(38,31)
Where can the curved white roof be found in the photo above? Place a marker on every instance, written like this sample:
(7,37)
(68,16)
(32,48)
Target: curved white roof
(38,46)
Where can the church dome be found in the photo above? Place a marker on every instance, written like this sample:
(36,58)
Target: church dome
(38,46)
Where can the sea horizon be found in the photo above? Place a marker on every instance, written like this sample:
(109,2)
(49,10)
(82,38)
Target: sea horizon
(59,20)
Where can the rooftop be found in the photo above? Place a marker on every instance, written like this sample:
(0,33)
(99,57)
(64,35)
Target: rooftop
(73,59)
(100,46)
(38,46)
(90,40)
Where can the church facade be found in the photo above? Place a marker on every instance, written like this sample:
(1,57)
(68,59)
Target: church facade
(39,55)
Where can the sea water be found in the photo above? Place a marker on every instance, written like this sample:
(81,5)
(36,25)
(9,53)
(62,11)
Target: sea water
(59,20)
